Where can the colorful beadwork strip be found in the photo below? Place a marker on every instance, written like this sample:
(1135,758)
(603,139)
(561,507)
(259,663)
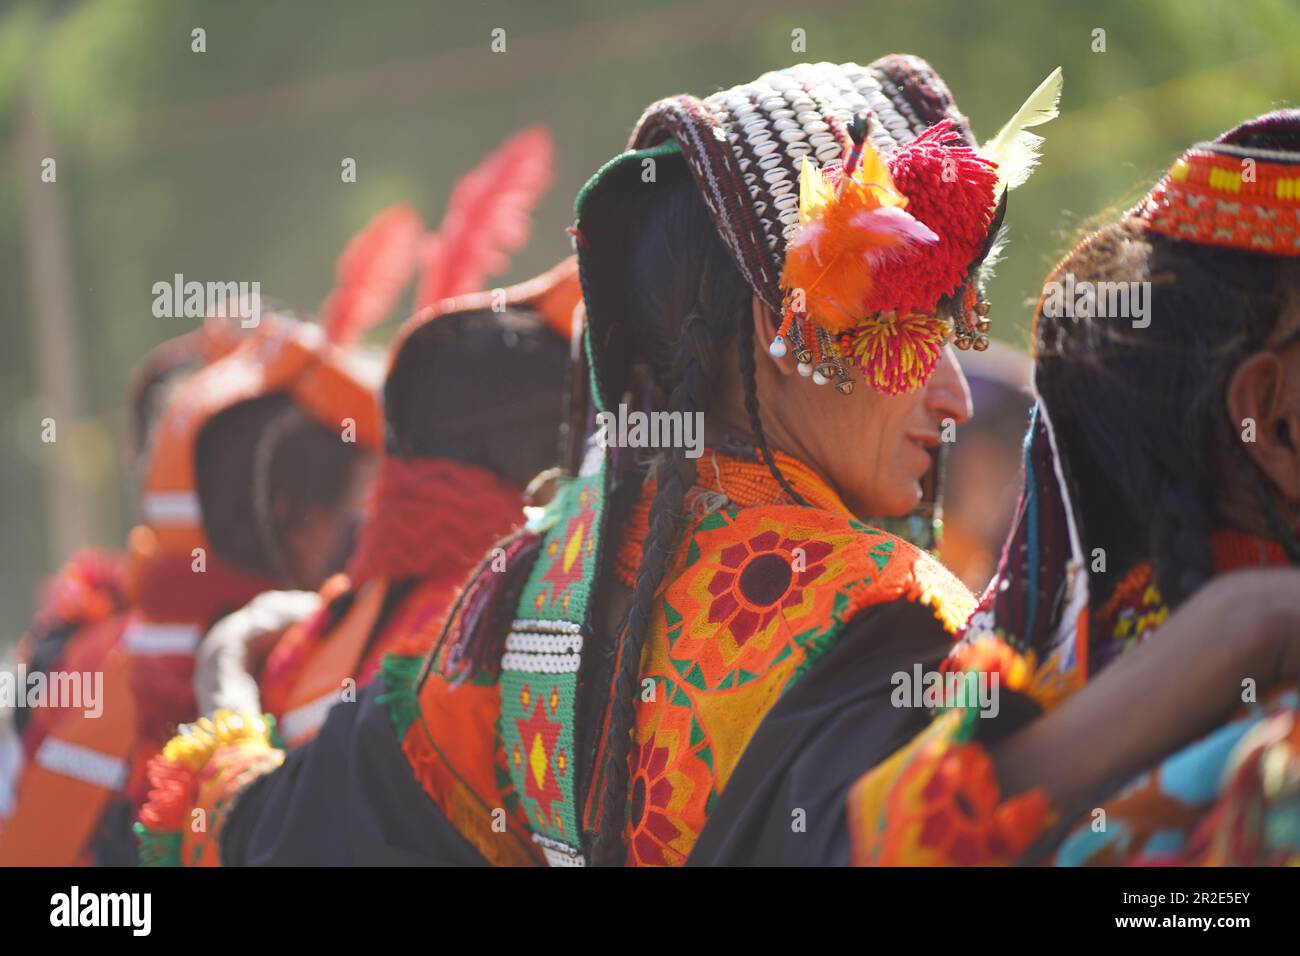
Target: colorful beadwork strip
(539,670)
(1222,195)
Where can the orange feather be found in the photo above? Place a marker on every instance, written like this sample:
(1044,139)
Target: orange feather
(842,234)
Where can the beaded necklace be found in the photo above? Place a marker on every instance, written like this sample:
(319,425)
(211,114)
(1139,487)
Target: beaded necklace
(1137,608)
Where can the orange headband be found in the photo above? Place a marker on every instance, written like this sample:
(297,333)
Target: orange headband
(1222,195)
(282,356)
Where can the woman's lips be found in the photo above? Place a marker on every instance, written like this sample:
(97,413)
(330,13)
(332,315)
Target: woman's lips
(925,445)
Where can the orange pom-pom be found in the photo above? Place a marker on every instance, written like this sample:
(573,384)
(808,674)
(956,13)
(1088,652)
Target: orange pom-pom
(847,227)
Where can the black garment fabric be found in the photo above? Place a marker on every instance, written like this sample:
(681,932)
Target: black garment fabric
(347,798)
(784,804)
(114,842)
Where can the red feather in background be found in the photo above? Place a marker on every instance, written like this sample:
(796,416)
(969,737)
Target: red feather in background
(371,273)
(489,215)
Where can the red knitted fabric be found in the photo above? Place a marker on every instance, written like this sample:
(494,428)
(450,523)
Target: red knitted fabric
(427,519)
(430,516)
(949,187)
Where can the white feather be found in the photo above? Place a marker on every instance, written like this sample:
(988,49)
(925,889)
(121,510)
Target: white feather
(1014,148)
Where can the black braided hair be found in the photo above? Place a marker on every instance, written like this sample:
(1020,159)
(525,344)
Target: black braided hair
(749,377)
(674,478)
(1140,412)
(687,301)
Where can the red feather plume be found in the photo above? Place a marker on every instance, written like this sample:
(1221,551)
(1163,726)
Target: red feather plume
(371,273)
(488,216)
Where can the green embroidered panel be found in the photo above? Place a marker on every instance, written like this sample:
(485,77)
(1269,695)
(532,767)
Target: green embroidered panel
(539,672)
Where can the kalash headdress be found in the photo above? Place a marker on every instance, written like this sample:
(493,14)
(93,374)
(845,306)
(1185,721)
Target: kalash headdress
(1033,621)
(855,201)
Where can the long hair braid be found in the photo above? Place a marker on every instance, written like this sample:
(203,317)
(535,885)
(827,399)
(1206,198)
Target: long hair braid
(674,477)
(749,379)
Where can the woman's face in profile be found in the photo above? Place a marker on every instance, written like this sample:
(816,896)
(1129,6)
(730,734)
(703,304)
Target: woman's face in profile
(887,442)
(874,449)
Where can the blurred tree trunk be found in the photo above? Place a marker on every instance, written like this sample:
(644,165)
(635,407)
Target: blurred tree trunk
(56,351)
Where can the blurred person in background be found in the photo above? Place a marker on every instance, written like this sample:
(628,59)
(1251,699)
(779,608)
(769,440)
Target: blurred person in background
(460,451)
(457,458)
(255,477)
(82,607)
(256,483)
(1149,711)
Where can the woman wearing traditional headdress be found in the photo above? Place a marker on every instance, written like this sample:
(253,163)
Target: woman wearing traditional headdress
(85,605)
(693,628)
(255,473)
(1164,452)
(459,453)
(450,484)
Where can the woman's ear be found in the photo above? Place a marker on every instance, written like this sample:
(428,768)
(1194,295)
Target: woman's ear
(764,332)
(1265,410)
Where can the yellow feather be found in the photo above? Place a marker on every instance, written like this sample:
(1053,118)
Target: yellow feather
(873,172)
(814,192)
(1014,148)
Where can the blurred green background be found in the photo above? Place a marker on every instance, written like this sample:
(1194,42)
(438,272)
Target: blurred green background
(226,163)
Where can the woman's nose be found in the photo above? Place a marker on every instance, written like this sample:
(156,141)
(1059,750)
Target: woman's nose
(946,394)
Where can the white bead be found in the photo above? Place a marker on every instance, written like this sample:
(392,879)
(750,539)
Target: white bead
(818,378)
(804,369)
(777,348)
